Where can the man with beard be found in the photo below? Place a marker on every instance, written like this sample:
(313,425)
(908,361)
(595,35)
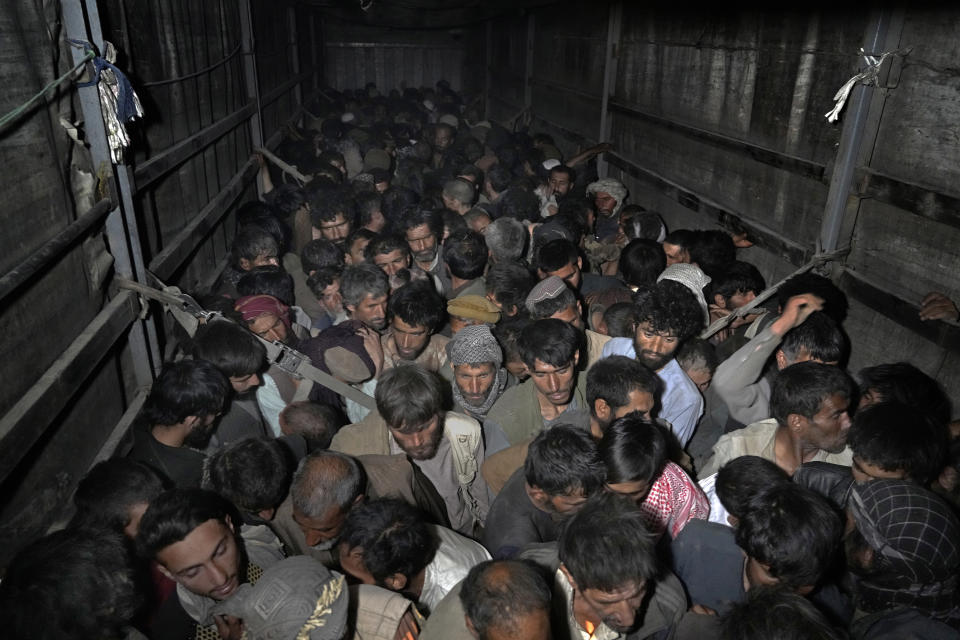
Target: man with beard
(446,447)
(423,231)
(192,536)
(414,312)
(177,420)
(241,357)
(562,470)
(607,582)
(364,288)
(478,377)
(618,386)
(668,316)
(608,197)
(810,422)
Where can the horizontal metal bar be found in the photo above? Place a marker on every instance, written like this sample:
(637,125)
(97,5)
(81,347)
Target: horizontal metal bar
(904,313)
(52,248)
(777,159)
(279,92)
(390,45)
(911,197)
(786,248)
(35,412)
(111,445)
(165,263)
(568,133)
(553,86)
(172,157)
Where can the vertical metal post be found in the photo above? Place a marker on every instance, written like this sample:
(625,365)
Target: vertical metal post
(250,71)
(855,118)
(314,48)
(488,70)
(144,357)
(294,56)
(614,23)
(528,73)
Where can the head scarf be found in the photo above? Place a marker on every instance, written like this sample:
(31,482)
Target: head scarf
(613,187)
(916,543)
(252,307)
(476,345)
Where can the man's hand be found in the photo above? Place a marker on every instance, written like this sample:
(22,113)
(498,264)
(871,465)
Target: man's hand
(407,629)
(228,627)
(936,306)
(371,342)
(796,311)
(702,610)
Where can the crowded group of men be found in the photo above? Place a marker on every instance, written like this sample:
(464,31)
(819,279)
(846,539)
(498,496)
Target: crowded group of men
(514,423)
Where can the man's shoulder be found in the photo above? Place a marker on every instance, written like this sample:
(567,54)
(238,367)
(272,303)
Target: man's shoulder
(369,436)
(619,347)
(511,400)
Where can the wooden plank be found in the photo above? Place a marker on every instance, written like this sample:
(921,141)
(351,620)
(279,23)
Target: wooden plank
(904,313)
(777,159)
(786,248)
(52,248)
(168,261)
(917,199)
(30,418)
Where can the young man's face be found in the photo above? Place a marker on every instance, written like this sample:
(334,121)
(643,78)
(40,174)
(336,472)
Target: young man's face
(270,327)
(569,273)
(355,250)
(560,182)
(421,443)
(336,230)
(242,384)
(654,348)
(410,339)
(828,428)
(262,260)
(616,608)
(555,383)
(676,254)
(571,315)
(206,561)
(331,300)
(372,311)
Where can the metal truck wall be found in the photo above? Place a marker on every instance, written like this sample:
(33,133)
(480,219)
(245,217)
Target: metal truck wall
(216,79)
(718,120)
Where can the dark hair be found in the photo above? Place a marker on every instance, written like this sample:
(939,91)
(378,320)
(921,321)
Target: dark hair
(712,250)
(320,253)
(453,223)
(633,450)
(564,460)
(776,613)
(465,253)
(556,254)
(835,302)
(386,243)
(262,215)
(359,233)
(251,243)
(673,309)
(316,423)
(903,382)
(173,514)
(323,278)
(641,261)
(415,216)
(697,353)
(418,304)
(519,204)
(252,473)
(606,544)
(621,320)
(895,436)
(229,347)
(268,280)
(185,388)
(510,283)
(499,178)
(508,332)
(328,206)
(409,396)
(497,593)
(737,277)
(395,200)
(394,537)
(801,388)
(105,495)
(73,584)
(562,168)
(360,280)
(367,204)
(287,198)
(549,340)
(613,378)
(681,238)
(794,531)
(819,336)
(741,479)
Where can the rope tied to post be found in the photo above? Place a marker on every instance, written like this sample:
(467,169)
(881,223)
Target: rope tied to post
(119,103)
(868,77)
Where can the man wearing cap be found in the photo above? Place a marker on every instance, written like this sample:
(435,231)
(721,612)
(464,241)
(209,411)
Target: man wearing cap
(903,542)
(553,298)
(478,377)
(608,196)
(467,310)
(670,315)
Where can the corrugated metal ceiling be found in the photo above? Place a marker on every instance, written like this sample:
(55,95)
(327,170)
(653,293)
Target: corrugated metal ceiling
(423,14)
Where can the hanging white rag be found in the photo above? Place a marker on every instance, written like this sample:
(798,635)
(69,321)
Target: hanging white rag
(867,76)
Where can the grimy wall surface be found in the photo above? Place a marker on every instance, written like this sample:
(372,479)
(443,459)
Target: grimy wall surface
(718,121)
(216,79)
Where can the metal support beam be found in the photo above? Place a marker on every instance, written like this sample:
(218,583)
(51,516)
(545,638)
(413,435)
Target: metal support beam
(488,72)
(251,84)
(294,53)
(528,68)
(854,121)
(117,222)
(614,26)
